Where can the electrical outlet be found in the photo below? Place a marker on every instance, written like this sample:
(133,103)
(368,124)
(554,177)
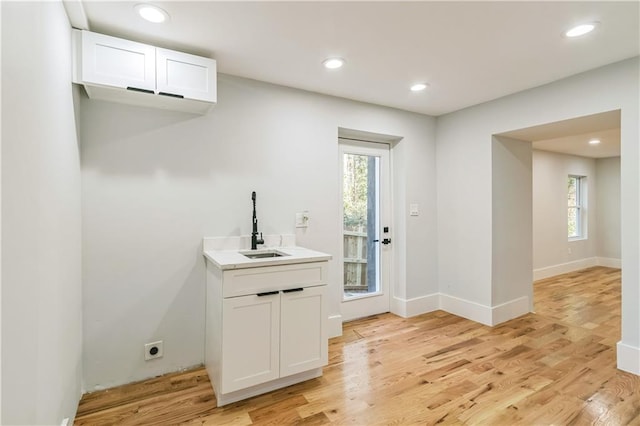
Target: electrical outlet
(302,219)
(153,350)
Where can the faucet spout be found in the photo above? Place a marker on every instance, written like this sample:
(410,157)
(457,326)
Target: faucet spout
(254,233)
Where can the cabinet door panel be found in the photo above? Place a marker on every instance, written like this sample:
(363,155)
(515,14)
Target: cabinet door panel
(186,75)
(112,61)
(250,341)
(303,332)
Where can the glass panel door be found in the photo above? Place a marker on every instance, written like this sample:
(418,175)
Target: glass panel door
(365,239)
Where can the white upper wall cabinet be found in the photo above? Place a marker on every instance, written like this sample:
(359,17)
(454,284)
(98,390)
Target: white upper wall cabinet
(186,75)
(119,70)
(112,61)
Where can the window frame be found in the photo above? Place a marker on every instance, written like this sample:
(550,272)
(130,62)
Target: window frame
(580,208)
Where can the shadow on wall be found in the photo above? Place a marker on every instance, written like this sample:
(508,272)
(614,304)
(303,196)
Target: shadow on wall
(132,140)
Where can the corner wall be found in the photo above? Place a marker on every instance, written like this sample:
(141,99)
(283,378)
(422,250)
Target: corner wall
(511,271)
(608,207)
(41,223)
(465,200)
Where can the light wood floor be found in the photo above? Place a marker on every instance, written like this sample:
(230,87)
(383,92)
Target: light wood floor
(555,366)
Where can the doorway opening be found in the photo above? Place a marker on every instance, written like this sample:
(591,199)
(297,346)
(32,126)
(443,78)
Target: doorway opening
(571,232)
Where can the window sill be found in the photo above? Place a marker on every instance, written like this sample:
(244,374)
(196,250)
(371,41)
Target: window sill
(574,239)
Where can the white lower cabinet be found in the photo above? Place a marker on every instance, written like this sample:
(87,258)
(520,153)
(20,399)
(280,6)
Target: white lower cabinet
(272,338)
(250,341)
(303,335)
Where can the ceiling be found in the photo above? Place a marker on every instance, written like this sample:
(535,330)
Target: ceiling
(468,52)
(573,136)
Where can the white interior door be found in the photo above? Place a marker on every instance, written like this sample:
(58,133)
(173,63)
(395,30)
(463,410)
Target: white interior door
(366,237)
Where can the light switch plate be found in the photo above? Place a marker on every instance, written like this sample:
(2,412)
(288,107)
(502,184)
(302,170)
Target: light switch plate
(413,210)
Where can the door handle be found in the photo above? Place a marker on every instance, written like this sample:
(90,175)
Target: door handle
(267,293)
(292,290)
(385,241)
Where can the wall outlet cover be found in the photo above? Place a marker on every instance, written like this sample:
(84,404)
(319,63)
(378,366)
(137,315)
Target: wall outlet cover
(153,350)
(302,219)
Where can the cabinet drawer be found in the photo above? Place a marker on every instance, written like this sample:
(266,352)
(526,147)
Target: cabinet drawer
(240,282)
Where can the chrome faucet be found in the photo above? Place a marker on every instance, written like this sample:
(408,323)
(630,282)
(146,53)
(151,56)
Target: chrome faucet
(254,234)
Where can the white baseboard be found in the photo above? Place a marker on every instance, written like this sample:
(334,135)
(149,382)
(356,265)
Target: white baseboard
(466,309)
(334,328)
(628,358)
(454,305)
(563,268)
(609,262)
(416,306)
(510,310)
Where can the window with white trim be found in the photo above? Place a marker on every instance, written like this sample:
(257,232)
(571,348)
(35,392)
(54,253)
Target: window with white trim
(576,194)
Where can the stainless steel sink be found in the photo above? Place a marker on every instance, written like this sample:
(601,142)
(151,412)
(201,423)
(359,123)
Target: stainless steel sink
(262,254)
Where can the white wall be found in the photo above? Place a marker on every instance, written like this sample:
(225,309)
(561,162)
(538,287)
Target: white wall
(155,182)
(464,176)
(608,206)
(511,186)
(552,249)
(41,223)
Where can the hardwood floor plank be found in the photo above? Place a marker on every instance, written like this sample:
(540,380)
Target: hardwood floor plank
(554,366)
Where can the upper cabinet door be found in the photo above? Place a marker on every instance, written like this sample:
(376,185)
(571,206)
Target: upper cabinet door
(189,76)
(116,62)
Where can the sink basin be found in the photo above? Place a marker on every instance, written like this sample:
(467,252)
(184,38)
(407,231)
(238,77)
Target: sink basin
(262,254)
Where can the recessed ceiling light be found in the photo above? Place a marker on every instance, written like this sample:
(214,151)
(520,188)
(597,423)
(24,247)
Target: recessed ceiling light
(594,141)
(333,63)
(580,30)
(418,87)
(151,13)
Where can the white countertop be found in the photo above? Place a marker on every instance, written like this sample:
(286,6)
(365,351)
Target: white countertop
(226,254)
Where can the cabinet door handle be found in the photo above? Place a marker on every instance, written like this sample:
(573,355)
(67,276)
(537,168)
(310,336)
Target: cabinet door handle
(136,89)
(292,290)
(173,95)
(267,293)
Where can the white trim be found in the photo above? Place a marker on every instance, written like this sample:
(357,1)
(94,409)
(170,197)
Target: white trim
(628,358)
(509,310)
(563,268)
(463,308)
(609,262)
(76,14)
(334,326)
(466,309)
(416,306)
